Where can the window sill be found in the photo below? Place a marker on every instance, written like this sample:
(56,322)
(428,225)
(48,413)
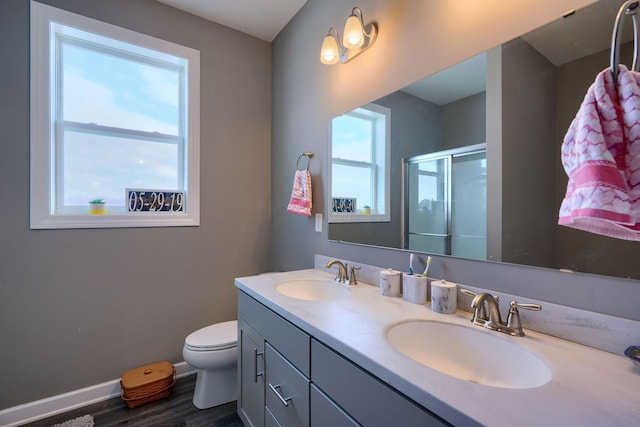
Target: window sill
(115,221)
(356,217)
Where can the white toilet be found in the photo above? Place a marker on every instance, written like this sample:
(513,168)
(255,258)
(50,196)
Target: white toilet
(213,350)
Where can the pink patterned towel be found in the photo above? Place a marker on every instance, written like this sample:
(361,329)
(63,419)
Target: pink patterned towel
(601,156)
(301,194)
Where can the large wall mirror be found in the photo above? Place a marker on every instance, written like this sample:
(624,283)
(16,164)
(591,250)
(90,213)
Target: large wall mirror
(474,154)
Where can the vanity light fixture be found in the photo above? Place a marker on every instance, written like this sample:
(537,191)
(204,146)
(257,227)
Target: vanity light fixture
(357,38)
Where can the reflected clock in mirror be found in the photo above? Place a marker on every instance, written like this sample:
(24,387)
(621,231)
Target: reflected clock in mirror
(510,108)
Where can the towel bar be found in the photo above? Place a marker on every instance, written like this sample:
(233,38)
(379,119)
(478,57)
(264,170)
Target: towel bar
(308,155)
(628,8)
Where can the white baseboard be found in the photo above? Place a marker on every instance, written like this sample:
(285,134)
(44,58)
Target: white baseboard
(39,409)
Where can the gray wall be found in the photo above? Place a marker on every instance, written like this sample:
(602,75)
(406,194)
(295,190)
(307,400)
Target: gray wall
(465,121)
(415,39)
(529,213)
(80,307)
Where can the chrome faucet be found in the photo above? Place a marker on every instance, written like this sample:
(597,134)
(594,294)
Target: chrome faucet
(514,325)
(341,275)
(344,274)
(352,275)
(487,313)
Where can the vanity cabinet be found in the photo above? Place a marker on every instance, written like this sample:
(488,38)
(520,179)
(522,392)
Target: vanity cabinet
(273,369)
(289,379)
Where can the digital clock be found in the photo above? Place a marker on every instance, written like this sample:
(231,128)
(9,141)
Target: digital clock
(155,201)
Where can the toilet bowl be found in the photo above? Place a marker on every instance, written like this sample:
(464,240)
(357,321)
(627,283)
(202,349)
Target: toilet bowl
(213,351)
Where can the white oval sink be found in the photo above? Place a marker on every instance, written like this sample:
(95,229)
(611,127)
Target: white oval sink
(469,354)
(313,289)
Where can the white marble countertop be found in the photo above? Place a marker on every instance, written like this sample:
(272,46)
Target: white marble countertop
(589,387)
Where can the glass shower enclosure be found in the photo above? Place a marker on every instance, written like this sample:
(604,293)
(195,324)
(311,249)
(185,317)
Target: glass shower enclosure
(445,202)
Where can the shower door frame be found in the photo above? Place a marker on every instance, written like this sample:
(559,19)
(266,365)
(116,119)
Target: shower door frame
(404,208)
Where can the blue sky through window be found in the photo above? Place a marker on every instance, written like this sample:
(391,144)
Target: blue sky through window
(352,140)
(117,92)
(113,91)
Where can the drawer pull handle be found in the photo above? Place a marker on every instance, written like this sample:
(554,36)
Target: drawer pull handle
(256,353)
(284,400)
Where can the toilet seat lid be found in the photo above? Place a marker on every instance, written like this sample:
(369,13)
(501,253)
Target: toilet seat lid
(214,337)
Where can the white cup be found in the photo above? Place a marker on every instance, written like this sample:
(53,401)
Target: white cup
(390,283)
(414,288)
(444,297)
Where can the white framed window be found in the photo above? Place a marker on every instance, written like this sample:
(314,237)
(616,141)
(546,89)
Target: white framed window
(360,173)
(111,109)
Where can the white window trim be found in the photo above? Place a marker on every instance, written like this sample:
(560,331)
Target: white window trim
(42,185)
(383,179)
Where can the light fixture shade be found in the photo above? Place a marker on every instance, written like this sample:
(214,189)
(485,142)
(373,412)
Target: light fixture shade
(329,50)
(357,39)
(353,32)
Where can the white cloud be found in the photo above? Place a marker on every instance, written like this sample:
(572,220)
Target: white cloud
(158,85)
(91,102)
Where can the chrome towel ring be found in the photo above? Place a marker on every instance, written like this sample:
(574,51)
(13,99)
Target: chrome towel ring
(308,155)
(628,8)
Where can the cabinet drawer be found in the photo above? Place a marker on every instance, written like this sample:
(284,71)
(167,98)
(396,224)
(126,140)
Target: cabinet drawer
(364,397)
(290,341)
(287,390)
(269,419)
(325,413)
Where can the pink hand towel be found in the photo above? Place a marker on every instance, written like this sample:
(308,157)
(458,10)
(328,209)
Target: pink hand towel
(601,156)
(301,194)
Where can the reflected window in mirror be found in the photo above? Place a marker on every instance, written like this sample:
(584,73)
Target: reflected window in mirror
(359,173)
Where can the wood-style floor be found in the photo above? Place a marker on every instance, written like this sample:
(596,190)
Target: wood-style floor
(173,411)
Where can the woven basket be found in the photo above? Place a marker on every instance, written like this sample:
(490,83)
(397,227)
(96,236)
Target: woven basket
(147,383)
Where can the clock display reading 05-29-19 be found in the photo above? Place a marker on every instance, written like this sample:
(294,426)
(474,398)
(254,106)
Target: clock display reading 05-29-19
(155,201)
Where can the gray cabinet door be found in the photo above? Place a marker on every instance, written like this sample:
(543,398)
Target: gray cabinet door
(269,419)
(250,376)
(325,413)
